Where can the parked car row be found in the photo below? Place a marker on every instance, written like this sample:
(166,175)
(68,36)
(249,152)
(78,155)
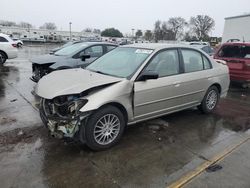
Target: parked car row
(129,84)
(77,54)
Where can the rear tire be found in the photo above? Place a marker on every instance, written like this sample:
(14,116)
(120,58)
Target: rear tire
(104,128)
(3,58)
(210,100)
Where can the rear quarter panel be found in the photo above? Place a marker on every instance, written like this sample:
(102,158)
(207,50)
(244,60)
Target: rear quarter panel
(221,76)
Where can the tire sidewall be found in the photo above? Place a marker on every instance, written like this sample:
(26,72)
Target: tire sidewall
(203,106)
(42,114)
(88,129)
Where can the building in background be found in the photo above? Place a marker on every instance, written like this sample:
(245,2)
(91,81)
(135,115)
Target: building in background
(44,35)
(237,28)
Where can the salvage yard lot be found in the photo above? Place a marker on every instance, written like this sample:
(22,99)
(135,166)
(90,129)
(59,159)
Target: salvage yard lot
(169,151)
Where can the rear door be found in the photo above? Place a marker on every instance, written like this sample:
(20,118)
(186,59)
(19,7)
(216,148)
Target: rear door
(197,75)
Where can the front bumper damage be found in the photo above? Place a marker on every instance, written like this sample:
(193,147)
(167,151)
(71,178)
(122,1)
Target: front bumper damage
(63,119)
(61,128)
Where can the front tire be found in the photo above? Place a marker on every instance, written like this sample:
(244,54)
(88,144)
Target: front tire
(104,128)
(42,112)
(210,100)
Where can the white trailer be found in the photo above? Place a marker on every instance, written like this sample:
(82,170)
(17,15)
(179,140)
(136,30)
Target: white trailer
(237,27)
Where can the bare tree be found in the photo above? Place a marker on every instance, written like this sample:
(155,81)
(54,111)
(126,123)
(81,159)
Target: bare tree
(49,26)
(158,31)
(176,26)
(87,30)
(7,23)
(25,25)
(201,26)
(97,31)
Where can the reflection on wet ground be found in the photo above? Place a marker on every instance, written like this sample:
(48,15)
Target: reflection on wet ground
(151,154)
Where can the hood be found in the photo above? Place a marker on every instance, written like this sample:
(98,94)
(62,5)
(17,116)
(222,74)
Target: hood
(71,81)
(48,58)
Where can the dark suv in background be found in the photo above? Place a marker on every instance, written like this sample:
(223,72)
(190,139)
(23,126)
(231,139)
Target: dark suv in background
(237,56)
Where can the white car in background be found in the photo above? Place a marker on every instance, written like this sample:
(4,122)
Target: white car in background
(8,48)
(18,42)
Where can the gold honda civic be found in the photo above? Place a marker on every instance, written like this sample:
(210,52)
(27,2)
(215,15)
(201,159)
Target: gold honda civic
(128,85)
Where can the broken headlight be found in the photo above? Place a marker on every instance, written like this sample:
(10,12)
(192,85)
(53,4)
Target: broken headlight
(68,106)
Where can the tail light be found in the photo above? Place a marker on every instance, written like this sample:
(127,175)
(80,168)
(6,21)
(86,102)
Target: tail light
(14,45)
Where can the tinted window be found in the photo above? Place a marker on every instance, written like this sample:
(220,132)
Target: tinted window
(235,51)
(192,60)
(94,51)
(165,63)
(109,48)
(2,39)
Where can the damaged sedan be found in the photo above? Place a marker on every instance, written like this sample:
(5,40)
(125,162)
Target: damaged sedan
(128,85)
(78,54)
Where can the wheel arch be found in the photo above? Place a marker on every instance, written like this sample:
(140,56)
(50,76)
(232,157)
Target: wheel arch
(119,106)
(4,54)
(218,86)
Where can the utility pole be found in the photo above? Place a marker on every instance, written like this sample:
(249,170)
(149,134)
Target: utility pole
(70,37)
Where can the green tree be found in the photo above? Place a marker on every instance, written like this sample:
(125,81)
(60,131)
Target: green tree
(138,33)
(148,35)
(111,32)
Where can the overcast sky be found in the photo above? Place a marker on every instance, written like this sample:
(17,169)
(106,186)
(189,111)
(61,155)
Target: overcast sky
(121,14)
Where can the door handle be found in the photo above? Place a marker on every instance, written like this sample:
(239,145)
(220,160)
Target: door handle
(209,77)
(177,83)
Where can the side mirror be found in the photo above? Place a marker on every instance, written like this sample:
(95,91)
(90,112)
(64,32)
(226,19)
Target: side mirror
(84,56)
(147,75)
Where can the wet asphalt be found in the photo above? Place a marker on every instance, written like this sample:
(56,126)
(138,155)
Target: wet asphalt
(155,153)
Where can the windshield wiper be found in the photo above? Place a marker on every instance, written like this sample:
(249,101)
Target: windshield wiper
(100,72)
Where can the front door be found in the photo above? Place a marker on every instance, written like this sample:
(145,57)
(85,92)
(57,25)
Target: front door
(158,96)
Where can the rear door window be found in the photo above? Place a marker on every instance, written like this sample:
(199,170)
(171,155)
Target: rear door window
(94,51)
(192,60)
(2,39)
(235,51)
(109,48)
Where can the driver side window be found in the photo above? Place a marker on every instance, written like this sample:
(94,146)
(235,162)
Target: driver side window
(94,51)
(165,63)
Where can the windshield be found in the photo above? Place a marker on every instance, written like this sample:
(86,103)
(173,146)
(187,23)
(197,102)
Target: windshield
(68,50)
(120,62)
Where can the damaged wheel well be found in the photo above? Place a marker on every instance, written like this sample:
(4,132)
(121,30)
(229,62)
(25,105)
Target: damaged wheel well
(120,107)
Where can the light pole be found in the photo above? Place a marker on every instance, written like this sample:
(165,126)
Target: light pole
(133,33)
(70,31)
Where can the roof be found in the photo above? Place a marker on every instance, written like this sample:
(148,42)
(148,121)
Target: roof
(157,46)
(236,43)
(240,16)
